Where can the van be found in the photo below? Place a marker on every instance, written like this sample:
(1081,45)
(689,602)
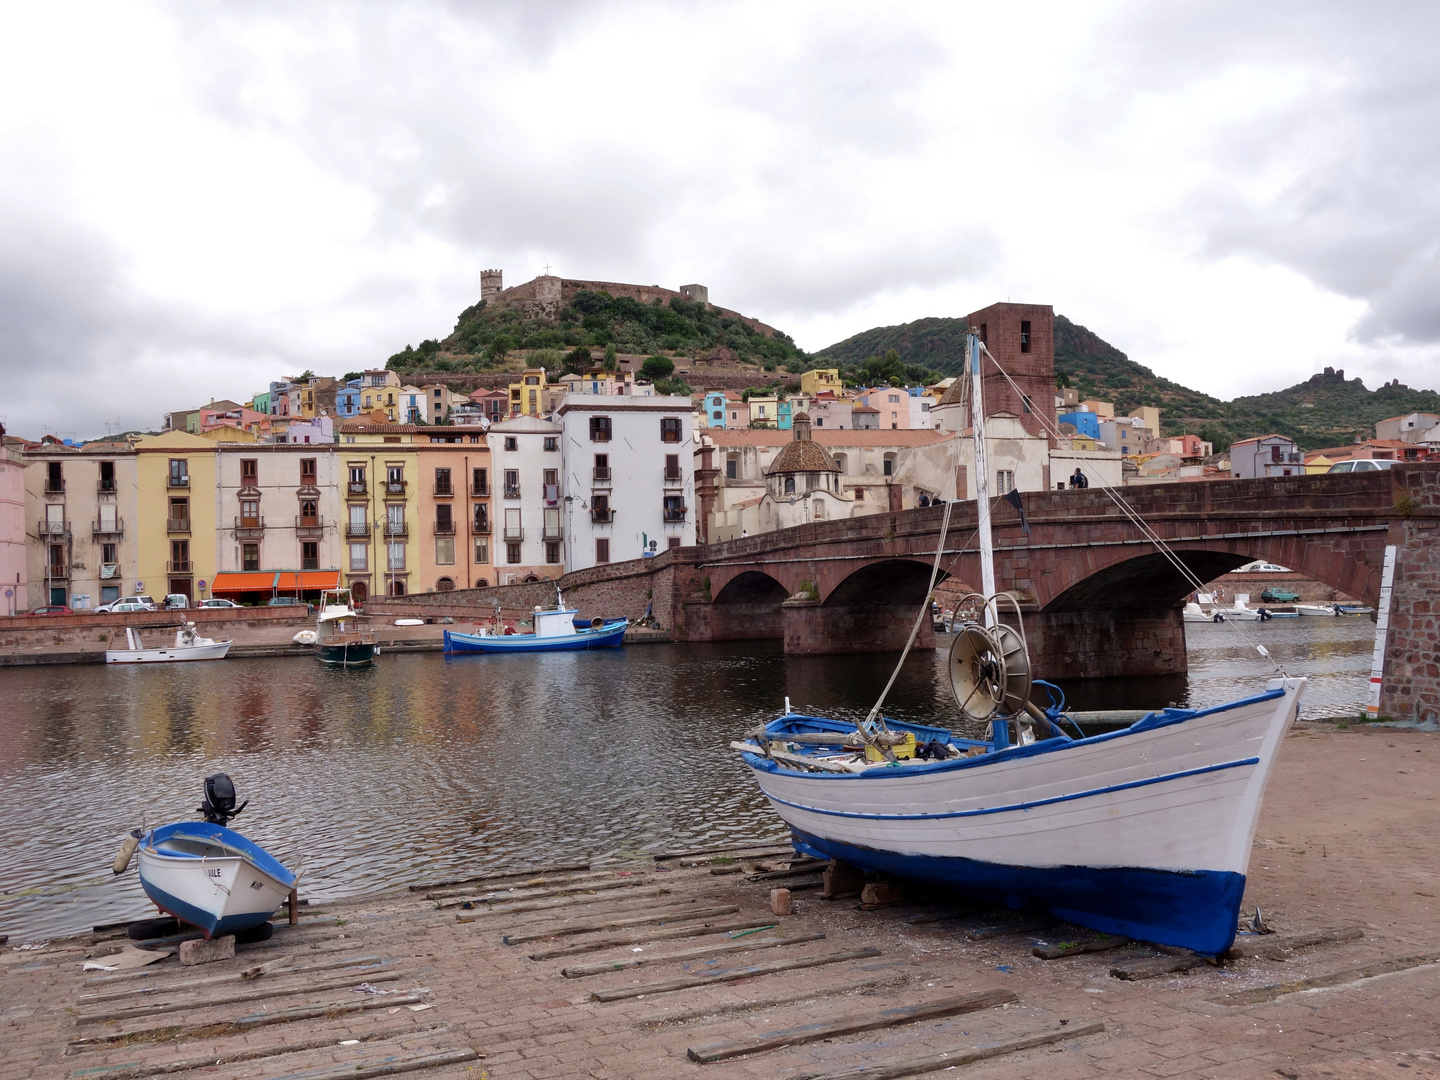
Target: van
(177,602)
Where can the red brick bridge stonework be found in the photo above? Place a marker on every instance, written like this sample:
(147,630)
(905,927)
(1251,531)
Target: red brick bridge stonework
(1098,599)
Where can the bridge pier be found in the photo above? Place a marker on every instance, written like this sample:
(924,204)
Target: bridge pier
(1105,644)
(1410,688)
(813,628)
(732,622)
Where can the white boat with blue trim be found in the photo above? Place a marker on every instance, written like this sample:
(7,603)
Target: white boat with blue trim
(555,630)
(1144,831)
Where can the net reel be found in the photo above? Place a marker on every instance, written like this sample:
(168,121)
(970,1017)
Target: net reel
(990,671)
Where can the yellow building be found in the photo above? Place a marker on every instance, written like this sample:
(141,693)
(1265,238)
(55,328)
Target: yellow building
(176,485)
(383,529)
(527,397)
(1150,417)
(1105,410)
(225,433)
(1317,464)
(818,379)
(764,410)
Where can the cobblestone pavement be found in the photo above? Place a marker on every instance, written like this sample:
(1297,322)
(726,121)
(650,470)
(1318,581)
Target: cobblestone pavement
(1347,841)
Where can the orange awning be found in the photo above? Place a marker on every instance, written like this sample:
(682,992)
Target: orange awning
(242,582)
(308,579)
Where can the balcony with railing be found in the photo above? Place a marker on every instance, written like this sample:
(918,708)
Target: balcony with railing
(444,490)
(178,480)
(552,530)
(357,488)
(480,526)
(310,528)
(57,572)
(480,491)
(444,528)
(179,566)
(397,528)
(102,527)
(512,492)
(106,487)
(602,477)
(177,525)
(514,532)
(675,513)
(394,489)
(674,476)
(602,516)
(357,530)
(53,528)
(54,486)
(249,528)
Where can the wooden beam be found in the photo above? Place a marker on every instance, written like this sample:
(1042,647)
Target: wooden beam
(582,970)
(895,979)
(698,930)
(234,976)
(1133,971)
(1278,946)
(389,1066)
(1079,948)
(849,1025)
(499,876)
(551,887)
(1319,982)
(961,1055)
(685,982)
(571,898)
(813,866)
(668,915)
(231,999)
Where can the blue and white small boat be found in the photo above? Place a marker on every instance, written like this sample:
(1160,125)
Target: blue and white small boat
(210,876)
(555,630)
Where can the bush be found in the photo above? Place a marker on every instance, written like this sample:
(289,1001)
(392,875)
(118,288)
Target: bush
(657,367)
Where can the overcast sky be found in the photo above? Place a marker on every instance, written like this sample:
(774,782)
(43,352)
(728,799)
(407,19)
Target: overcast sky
(197,198)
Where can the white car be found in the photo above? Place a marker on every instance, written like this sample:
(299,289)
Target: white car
(1363,465)
(128,604)
(1263,568)
(217,602)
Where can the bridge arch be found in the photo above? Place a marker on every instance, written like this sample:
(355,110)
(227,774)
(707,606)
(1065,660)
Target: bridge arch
(884,583)
(748,605)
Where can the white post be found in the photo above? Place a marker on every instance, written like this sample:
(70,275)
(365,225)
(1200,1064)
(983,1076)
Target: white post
(982,477)
(1382,625)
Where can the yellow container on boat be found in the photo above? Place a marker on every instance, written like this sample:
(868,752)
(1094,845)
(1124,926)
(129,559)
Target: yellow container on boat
(902,750)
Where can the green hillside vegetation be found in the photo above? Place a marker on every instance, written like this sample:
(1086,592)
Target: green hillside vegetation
(1326,410)
(484,335)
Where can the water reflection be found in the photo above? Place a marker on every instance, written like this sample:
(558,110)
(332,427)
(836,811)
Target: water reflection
(424,766)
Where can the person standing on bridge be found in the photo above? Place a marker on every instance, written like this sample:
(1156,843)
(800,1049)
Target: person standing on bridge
(1078,480)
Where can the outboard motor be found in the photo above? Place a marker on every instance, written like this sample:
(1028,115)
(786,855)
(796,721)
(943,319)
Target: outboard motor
(219,805)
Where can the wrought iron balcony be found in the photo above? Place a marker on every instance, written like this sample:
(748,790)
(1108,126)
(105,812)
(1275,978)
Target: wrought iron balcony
(675,513)
(54,528)
(480,491)
(444,528)
(249,528)
(444,491)
(674,476)
(603,517)
(394,489)
(512,492)
(357,530)
(397,528)
(357,487)
(177,525)
(54,487)
(480,528)
(57,572)
(552,532)
(108,528)
(105,487)
(514,532)
(602,477)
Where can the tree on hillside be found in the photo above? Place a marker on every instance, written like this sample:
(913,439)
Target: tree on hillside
(657,367)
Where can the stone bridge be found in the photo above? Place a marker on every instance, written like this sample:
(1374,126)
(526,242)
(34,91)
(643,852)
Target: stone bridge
(1098,598)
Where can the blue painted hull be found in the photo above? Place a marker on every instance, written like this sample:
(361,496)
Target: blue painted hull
(211,877)
(1194,910)
(202,920)
(608,636)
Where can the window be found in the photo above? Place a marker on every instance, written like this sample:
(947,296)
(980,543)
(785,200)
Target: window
(819,421)
(675,507)
(734,414)
(109,553)
(179,473)
(250,557)
(1024,336)
(552,486)
(552,442)
(359,558)
(179,513)
(107,476)
(479,481)
(602,467)
(552,552)
(395,520)
(512,442)
(889,465)
(307,472)
(600,429)
(442,482)
(445,584)
(250,513)
(395,479)
(444,551)
(309,555)
(1004,481)
(358,525)
(789,485)
(179,556)
(1274,453)
(894,400)
(732,467)
(602,550)
(512,552)
(672,466)
(512,483)
(670,429)
(513,528)
(309,512)
(717,416)
(600,508)
(481,519)
(444,523)
(984,334)
(395,552)
(357,479)
(482,552)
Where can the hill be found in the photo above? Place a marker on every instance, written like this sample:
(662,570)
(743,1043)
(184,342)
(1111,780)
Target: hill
(1325,410)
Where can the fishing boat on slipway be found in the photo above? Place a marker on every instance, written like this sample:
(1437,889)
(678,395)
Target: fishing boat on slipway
(1145,831)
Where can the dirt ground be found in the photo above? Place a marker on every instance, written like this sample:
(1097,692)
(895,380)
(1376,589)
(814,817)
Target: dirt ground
(1345,858)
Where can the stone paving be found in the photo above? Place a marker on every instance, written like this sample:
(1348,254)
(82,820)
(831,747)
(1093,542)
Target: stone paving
(1347,840)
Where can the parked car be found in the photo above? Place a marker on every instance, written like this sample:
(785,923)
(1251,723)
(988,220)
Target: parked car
(1263,568)
(290,601)
(1363,465)
(1279,596)
(176,602)
(217,602)
(128,604)
(51,609)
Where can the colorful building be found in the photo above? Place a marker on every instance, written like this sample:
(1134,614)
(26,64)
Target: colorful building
(176,515)
(527,397)
(453,548)
(818,380)
(529,524)
(14,574)
(382,507)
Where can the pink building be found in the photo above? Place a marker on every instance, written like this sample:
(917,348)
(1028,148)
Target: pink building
(243,419)
(14,596)
(893,406)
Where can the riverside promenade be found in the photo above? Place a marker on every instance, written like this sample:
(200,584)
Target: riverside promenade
(660,968)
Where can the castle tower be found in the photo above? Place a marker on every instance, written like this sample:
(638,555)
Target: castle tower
(491,283)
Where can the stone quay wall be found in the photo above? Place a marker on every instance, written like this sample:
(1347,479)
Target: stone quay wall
(1410,689)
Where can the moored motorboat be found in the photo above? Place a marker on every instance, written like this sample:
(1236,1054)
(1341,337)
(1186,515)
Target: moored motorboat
(1315,610)
(1354,609)
(555,630)
(342,635)
(208,875)
(189,645)
(1193,612)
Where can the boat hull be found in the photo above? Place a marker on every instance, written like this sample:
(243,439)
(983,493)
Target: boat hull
(218,894)
(168,655)
(1144,832)
(606,637)
(346,654)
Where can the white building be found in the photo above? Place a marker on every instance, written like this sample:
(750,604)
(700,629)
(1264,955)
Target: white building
(1126,434)
(629,487)
(529,533)
(802,483)
(278,508)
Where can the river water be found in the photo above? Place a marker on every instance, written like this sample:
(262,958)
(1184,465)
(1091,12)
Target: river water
(427,766)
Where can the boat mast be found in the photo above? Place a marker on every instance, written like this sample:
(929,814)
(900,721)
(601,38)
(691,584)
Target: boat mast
(982,477)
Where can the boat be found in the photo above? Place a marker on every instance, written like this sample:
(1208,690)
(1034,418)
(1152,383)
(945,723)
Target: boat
(1327,610)
(557,629)
(1241,611)
(1144,831)
(208,875)
(1354,609)
(1193,612)
(342,638)
(189,645)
